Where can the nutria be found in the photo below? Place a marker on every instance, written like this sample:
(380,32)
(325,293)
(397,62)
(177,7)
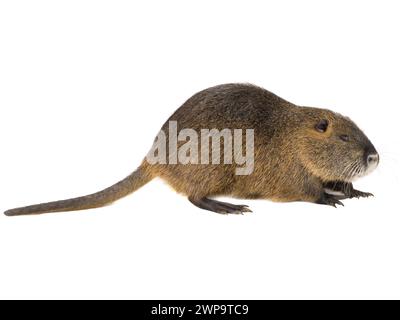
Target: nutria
(300,154)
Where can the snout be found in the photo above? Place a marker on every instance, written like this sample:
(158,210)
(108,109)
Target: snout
(371,157)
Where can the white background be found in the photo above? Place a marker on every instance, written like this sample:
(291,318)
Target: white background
(86,85)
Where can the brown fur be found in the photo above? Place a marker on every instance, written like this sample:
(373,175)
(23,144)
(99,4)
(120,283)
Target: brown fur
(293,161)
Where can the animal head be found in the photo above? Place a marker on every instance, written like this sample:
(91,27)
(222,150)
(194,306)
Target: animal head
(334,148)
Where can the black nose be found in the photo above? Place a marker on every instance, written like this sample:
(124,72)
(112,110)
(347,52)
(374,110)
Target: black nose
(370,155)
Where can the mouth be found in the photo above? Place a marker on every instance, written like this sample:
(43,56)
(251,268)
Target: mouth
(362,167)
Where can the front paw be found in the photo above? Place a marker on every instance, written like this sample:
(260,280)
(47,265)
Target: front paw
(360,194)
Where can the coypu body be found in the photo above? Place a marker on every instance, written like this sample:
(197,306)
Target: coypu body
(300,154)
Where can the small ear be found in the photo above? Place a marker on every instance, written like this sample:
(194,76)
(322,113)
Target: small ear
(322,125)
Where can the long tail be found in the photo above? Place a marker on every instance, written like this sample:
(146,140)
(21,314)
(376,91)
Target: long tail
(121,189)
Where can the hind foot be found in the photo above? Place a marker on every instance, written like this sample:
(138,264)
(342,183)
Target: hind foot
(219,206)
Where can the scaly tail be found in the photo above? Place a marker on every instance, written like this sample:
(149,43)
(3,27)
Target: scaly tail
(121,189)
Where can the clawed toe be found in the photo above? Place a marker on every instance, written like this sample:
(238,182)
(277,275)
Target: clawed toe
(333,202)
(360,194)
(330,200)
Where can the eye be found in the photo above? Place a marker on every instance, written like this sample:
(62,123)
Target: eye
(344,137)
(322,125)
